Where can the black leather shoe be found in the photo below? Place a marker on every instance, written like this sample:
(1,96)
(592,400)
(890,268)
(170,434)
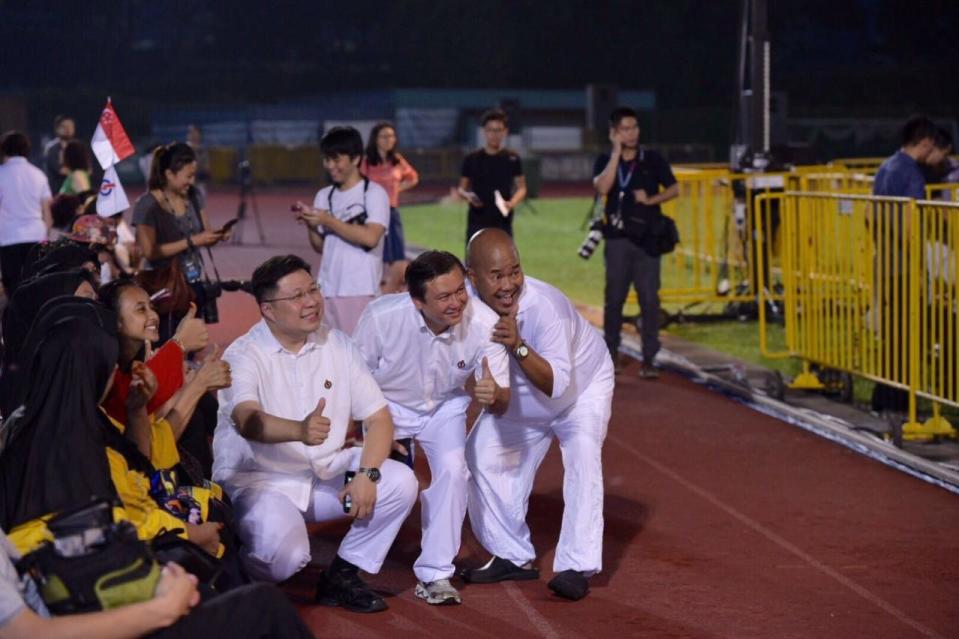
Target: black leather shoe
(570,584)
(498,570)
(347,590)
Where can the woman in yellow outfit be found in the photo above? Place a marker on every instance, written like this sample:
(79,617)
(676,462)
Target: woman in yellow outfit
(62,449)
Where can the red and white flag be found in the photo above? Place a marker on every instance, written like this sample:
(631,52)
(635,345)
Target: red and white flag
(111,199)
(110,142)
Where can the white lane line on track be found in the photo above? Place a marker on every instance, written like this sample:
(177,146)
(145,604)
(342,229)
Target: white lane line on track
(539,621)
(779,541)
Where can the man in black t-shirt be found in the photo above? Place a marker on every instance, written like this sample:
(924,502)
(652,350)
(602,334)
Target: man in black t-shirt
(635,182)
(488,170)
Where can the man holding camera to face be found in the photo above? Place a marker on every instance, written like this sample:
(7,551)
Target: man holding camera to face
(346,224)
(635,181)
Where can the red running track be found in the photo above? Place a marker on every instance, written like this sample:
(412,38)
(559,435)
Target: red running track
(720,522)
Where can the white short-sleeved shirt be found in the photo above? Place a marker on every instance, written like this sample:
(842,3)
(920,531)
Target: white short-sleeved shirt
(418,370)
(289,385)
(346,269)
(550,325)
(23,188)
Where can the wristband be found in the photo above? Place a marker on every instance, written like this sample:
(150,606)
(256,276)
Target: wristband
(189,243)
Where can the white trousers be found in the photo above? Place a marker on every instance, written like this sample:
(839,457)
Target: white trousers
(442,437)
(503,457)
(273,529)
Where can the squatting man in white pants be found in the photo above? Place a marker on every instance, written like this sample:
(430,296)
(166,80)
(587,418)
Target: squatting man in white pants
(279,442)
(422,348)
(561,377)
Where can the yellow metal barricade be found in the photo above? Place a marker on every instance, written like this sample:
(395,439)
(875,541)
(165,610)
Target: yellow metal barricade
(869,289)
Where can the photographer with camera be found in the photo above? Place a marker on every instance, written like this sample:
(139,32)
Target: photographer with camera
(171,227)
(346,225)
(630,177)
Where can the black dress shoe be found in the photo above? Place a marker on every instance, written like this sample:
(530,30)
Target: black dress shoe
(570,584)
(498,570)
(347,590)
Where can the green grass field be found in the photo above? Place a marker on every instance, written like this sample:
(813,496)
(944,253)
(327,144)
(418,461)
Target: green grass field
(548,241)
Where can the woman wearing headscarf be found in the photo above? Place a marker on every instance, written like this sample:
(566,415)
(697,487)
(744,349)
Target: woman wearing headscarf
(19,316)
(59,453)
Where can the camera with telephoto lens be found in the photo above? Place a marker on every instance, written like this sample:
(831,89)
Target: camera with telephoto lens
(592,240)
(212,290)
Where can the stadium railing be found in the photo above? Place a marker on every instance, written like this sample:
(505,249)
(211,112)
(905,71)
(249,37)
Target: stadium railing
(869,288)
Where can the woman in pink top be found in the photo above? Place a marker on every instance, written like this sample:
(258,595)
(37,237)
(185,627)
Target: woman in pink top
(385,166)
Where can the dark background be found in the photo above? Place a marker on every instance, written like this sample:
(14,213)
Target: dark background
(836,58)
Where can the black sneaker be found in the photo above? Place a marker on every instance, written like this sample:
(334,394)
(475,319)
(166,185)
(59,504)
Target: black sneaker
(498,570)
(347,590)
(570,584)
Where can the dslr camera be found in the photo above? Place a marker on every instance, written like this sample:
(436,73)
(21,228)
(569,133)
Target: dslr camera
(211,290)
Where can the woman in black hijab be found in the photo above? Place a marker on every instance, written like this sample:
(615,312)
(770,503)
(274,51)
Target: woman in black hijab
(63,255)
(54,455)
(20,315)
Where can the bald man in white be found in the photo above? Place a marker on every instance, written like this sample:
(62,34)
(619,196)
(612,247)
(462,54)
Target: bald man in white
(562,379)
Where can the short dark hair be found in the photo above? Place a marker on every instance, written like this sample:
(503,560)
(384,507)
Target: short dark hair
(267,274)
(75,156)
(342,140)
(63,209)
(426,268)
(916,129)
(173,156)
(60,119)
(494,115)
(943,139)
(109,294)
(616,115)
(15,143)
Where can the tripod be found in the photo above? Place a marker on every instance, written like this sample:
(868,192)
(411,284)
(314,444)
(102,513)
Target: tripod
(247,193)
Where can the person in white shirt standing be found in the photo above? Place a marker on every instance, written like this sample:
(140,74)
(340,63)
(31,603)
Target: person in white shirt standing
(423,348)
(279,442)
(25,214)
(346,225)
(562,378)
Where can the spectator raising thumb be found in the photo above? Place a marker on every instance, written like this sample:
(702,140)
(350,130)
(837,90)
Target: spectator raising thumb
(487,373)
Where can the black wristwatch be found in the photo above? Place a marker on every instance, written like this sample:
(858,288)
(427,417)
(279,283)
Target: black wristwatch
(373,474)
(521,352)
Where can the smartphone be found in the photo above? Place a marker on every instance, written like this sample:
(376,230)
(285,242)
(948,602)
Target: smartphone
(229,225)
(347,502)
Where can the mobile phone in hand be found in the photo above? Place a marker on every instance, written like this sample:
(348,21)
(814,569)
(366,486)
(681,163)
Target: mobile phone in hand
(347,501)
(407,459)
(229,225)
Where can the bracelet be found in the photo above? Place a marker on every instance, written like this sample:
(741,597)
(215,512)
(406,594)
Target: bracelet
(189,243)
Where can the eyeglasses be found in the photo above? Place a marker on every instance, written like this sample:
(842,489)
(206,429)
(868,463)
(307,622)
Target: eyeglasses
(300,297)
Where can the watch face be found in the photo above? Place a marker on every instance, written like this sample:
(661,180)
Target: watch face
(522,351)
(373,474)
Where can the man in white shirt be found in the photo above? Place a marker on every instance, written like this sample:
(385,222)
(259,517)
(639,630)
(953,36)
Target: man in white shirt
(423,348)
(346,225)
(279,442)
(24,208)
(561,376)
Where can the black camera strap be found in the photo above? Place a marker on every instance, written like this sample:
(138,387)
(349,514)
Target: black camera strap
(329,199)
(195,201)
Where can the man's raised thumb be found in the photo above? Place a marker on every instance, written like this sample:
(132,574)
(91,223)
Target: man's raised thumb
(320,406)
(487,373)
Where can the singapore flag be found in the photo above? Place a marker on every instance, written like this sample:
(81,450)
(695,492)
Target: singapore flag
(111,199)
(110,142)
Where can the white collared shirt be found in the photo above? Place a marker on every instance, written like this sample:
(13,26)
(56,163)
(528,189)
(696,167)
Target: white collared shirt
(289,385)
(417,369)
(550,325)
(23,188)
(347,270)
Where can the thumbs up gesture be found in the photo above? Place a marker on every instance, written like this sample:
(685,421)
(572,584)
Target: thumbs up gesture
(484,391)
(315,426)
(215,373)
(191,332)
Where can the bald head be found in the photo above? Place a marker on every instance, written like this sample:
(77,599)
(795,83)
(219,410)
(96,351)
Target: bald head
(487,242)
(494,269)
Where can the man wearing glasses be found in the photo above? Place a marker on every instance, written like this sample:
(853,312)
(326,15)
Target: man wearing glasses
(490,170)
(635,181)
(279,442)
(346,225)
